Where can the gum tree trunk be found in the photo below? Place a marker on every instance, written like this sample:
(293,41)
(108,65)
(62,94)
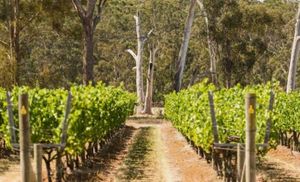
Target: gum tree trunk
(211,46)
(89,20)
(139,62)
(184,47)
(15,38)
(291,83)
(88,52)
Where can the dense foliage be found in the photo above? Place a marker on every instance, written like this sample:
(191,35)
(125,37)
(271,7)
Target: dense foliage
(95,112)
(189,111)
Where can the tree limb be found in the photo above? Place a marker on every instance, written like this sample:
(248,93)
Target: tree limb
(149,33)
(78,6)
(6,45)
(90,8)
(100,8)
(155,50)
(132,54)
(145,38)
(136,18)
(200,4)
(29,21)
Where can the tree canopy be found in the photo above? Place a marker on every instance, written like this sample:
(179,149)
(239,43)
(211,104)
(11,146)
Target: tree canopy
(253,41)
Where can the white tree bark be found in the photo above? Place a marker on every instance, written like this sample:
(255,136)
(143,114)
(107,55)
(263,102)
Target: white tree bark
(211,48)
(184,47)
(291,83)
(150,78)
(139,63)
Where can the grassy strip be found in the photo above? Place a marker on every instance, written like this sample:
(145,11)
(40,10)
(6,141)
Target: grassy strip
(137,161)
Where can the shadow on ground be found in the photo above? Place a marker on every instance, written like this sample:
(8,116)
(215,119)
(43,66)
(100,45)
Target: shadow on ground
(7,162)
(98,167)
(270,171)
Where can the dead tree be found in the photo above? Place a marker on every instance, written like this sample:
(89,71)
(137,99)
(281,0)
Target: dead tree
(89,20)
(291,83)
(184,47)
(150,78)
(139,62)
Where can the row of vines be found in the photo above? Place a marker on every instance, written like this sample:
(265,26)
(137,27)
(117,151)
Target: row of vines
(97,112)
(189,111)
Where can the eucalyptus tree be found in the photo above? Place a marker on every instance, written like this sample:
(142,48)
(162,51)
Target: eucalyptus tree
(210,43)
(90,15)
(16,18)
(138,58)
(184,47)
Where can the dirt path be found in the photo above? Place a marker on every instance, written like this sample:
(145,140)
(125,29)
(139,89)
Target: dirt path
(183,159)
(168,158)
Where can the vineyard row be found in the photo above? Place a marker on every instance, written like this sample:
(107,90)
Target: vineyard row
(96,113)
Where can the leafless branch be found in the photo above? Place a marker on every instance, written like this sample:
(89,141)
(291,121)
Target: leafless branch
(29,21)
(90,8)
(5,44)
(100,8)
(132,54)
(78,6)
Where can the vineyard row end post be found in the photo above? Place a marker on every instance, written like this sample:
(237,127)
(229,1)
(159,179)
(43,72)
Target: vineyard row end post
(59,165)
(269,119)
(13,138)
(214,127)
(240,162)
(24,127)
(250,156)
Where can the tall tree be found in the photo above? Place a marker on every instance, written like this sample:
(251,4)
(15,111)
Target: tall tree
(184,47)
(291,81)
(89,21)
(15,37)
(139,61)
(17,24)
(211,45)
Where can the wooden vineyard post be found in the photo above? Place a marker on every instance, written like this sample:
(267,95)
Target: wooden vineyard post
(38,156)
(24,138)
(13,138)
(250,137)
(240,162)
(59,165)
(65,121)
(213,117)
(214,127)
(269,119)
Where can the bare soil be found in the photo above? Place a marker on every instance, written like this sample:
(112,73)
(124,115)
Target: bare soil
(183,160)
